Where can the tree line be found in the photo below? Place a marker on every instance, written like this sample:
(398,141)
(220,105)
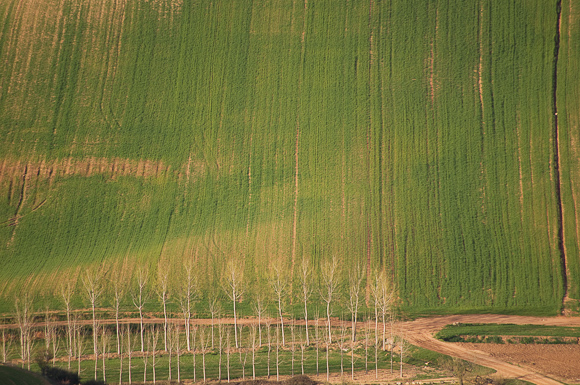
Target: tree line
(176,335)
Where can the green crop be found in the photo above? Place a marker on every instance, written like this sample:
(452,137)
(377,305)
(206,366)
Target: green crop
(411,136)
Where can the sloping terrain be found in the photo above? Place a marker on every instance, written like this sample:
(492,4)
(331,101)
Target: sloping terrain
(436,140)
(12,375)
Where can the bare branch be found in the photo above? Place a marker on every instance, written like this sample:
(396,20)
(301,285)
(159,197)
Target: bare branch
(139,296)
(233,286)
(329,275)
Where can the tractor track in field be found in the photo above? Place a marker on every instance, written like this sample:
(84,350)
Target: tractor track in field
(419,332)
(556,156)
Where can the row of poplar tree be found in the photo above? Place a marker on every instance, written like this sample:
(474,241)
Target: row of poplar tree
(165,336)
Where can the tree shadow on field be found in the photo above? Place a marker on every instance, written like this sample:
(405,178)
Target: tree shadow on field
(296,380)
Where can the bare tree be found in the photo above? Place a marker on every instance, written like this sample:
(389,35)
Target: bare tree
(170,350)
(376,295)
(162,289)
(55,343)
(130,348)
(243,354)
(6,345)
(119,288)
(228,350)
(342,346)
(367,332)
(147,352)
(352,359)
(66,292)
(233,286)
(383,296)
(24,318)
(376,350)
(327,340)
(277,354)
(121,336)
(302,348)
(105,338)
(4,350)
(154,339)
(139,296)
(214,308)
(47,331)
(221,333)
(187,295)
(79,342)
(316,337)
(384,299)
(193,353)
(93,290)
(178,351)
(306,291)
(96,331)
(50,336)
(269,337)
(292,344)
(279,283)
(203,344)
(403,346)
(392,338)
(260,311)
(253,336)
(355,279)
(329,275)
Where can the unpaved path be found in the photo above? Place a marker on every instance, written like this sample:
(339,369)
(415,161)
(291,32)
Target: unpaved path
(420,332)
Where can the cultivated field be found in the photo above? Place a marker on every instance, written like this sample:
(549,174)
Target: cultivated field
(435,140)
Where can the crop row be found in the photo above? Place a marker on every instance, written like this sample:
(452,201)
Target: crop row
(407,137)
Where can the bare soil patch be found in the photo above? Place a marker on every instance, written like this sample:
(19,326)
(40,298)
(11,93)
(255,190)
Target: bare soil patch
(561,362)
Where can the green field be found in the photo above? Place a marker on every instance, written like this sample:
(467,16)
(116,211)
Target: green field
(419,137)
(451,331)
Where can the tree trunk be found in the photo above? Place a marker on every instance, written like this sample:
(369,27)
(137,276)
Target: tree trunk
(277,354)
(316,330)
(354,319)
(117,324)
(187,330)
(327,364)
(306,322)
(281,319)
(141,320)
(328,318)
(95,347)
(235,320)
(165,323)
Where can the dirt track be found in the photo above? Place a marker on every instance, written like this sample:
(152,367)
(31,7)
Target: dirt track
(420,333)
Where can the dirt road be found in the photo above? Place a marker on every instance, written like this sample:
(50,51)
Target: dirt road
(420,332)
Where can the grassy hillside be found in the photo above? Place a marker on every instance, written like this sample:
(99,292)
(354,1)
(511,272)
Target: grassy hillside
(414,136)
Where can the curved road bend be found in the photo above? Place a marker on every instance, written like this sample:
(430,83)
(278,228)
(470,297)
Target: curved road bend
(421,331)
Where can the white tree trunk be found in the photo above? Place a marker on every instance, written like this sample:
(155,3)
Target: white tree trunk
(235,319)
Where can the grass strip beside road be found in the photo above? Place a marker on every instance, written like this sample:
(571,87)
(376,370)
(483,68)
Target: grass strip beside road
(451,331)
